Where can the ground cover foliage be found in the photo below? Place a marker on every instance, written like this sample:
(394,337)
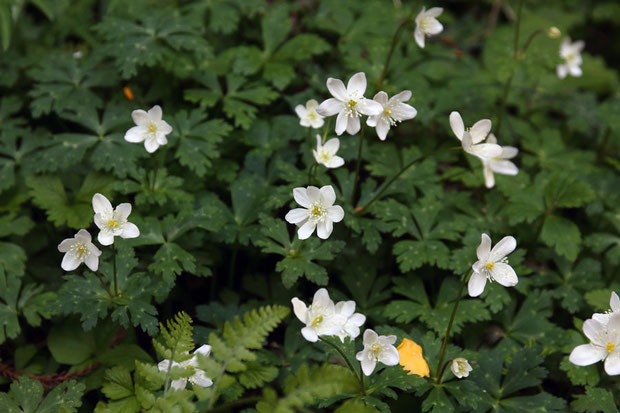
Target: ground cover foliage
(217,264)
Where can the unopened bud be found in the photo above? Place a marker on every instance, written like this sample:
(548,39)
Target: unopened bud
(553,32)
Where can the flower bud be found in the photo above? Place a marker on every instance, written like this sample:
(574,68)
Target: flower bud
(460,367)
(553,32)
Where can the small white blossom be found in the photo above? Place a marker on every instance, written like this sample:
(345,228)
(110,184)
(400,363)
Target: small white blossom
(394,111)
(460,367)
(377,348)
(571,53)
(426,24)
(553,32)
(604,345)
(499,164)
(614,303)
(150,128)
(320,318)
(79,249)
(112,222)
(326,154)
(308,116)
(199,378)
(353,320)
(318,211)
(349,103)
(493,265)
(471,138)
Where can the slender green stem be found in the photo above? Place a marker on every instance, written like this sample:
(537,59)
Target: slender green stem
(395,177)
(346,360)
(311,172)
(154,174)
(529,40)
(395,39)
(456,305)
(517,29)
(326,130)
(114,268)
(443,369)
(359,163)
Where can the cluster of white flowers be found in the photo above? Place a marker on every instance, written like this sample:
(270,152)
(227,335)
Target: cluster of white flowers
(199,378)
(571,53)
(111,222)
(603,331)
(324,318)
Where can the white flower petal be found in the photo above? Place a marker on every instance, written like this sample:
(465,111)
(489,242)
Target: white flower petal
(324,229)
(489,178)
(368,365)
(135,134)
(369,107)
(457,125)
(612,364)
(314,194)
(301,197)
(390,356)
(357,84)
(334,162)
(328,195)
(178,384)
(105,238)
(123,211)
(381,97)
(140,118)
(382,128)
(335,213)
(504,247)
(504,168)
(476,284)
(596,332)
(342,122)
(130,231)
(297,215)
(353,125)
(614,301)
(66,244)
(562,71)
(205,349)
(418,35)
(509,152)
(402,111)
(306,230)
(480,130)
(155,113)
(504,274)
(434,11)
(433,28)
(300,309)
(70,262)
(403,96)
(151,145)
(101,205)
(164,128)
(92,262)
(587,354)
(330,107)
(484,249)
(309,334)
(485,150)
(331,145)
(337,89)
(200,379)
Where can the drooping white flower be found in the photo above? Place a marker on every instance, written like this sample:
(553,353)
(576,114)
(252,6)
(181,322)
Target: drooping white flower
(318,211)
(377,348)
(320,318)
(149,128)
(614,303)
(326,154)
(460,367)
(493,265)
(354,321)
(571,53)
(604,345)
(499,164)
(349,103)
(112,222)
(426,24)
(79,249)
(308,116)
(471,138)
(199,378)
(394,111)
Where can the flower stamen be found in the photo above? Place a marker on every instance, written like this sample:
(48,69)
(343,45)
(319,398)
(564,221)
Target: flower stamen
(610,347)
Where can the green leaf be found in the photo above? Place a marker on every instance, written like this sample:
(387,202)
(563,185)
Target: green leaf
(28,394)
(118,383)
(69,344)
(561,234)
(413,254)
(595,400)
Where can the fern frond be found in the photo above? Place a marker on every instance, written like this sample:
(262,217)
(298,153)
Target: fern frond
(177,336)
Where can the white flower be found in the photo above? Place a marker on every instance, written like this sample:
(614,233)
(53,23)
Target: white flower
(377,348)
(394,111)
(326,154)
(318,211)
(354,321)
(460,367)
(348,103)
(320,318)
(492,264)
(112,222)
(571,53)
(499,164)
(150,128)
(614,303)
(79,249)
(553,32)
(604,345)
(427,25)
(308,116)
(199,377)
(471,138)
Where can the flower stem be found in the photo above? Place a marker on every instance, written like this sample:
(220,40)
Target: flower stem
(346,360)
(452,316)
(529,40)
(359,162)
(114,268)
(443,369)
(311,171)
(395,39)
(103,284)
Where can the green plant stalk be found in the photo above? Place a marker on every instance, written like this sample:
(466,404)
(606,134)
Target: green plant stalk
(346,360)
(527,43)
(452,316)
(311,171)
(359,163)
(395,40)
(443,369)
(114,267)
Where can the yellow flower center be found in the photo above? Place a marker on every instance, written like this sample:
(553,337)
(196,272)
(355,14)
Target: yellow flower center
(81,249)
(351,104)
(113,223)
(311,115)
(490,265)
(325,157)
(317,321)
(375,349)
(610,347)
(317,211)
(152,128)
(387,111)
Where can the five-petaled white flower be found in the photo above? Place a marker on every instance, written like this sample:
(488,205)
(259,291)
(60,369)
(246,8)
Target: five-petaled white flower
(460,367)
(112,222)
(499,164)
(349,103)
(308,116)
(318,211)
(394,111)
(199,378)
(571,53)
(604,345)
(320,318)
(471,138)
(353,320)
(426,24)
(150,128)
(79,249)
(377,348)
(492,264)
(614,303)
(326,154)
